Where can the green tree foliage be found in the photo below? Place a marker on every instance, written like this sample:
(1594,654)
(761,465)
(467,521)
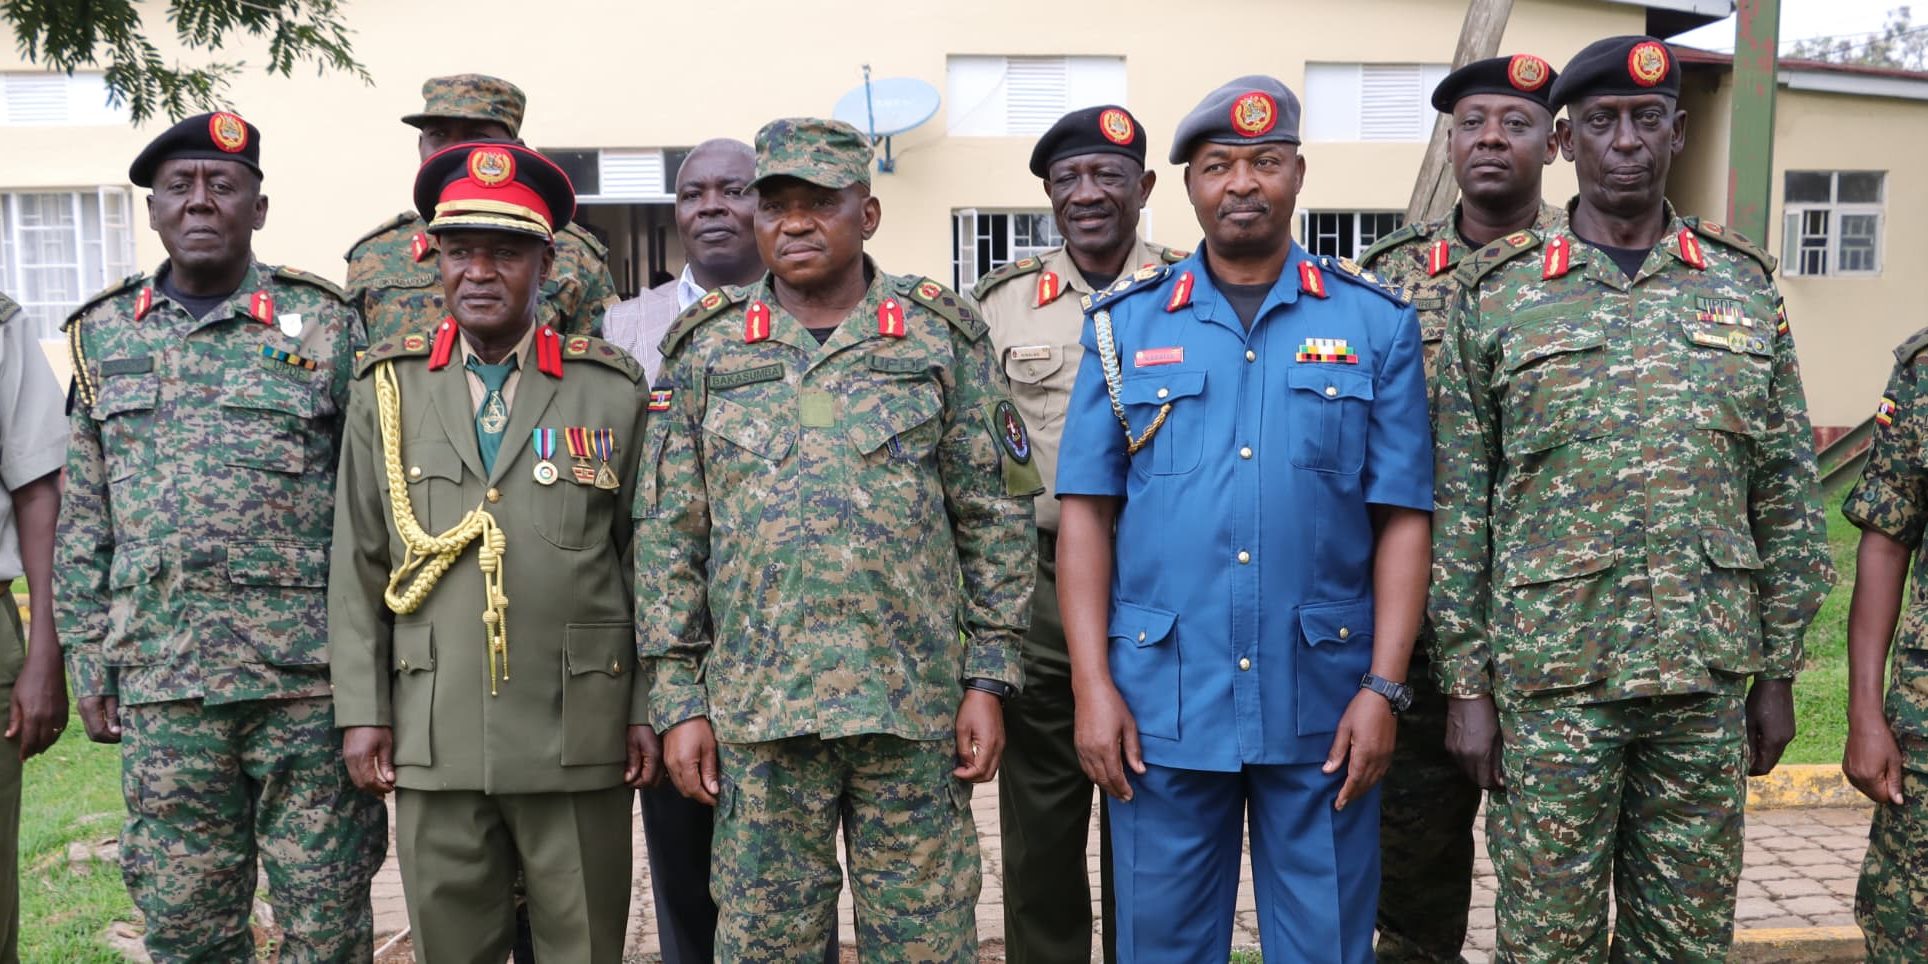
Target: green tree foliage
(1899,44)
(68,35)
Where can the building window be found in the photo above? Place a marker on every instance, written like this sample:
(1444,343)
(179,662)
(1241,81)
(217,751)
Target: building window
(1833,223)
(35,99)
(1346,234)
(58,248)
(1370,102)
(983,241)
(1024,96)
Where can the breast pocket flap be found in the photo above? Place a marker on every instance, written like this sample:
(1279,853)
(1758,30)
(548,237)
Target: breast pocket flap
(1556,561)
(1159,388)
(1326,624)
(1141,625)
(1330,381)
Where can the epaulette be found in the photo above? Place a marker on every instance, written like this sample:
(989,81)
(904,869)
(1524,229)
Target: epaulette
(1481,262)
(590,241)
(1170,255)
(380,229)
(402,346)
(944,302)
(1733,239)
(1417,229)
(590,348)
(1350,271)
(314,280)
(1136,281)
(709,306)
(1015,269)
(1912,347)
(116,289)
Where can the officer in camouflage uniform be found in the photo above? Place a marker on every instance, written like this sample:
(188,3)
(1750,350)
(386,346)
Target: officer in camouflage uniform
(192,563)
(1628,528)
(1501,140)
(834,563)
(391,270)
(1887,754)
(1092,165)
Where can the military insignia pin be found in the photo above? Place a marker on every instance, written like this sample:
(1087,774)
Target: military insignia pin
(1011,433)
(544,441)
(1885,412)
(1527,72)
(929,290)
(490,166)
(604,440)
(228,132)
(1047,288)
(579,468)
(1116,126)
(756,323)
(414,343)
(890,319)
(578,345)
(1254,113)
(261,307)
(290,324)
(1310,280)
(1647,64)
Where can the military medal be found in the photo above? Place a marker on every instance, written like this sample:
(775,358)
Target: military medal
(545,442)
(578,439)
(605,442)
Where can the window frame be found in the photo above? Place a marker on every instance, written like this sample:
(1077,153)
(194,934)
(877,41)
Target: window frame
(961,217)
(1795,233)
(114,259)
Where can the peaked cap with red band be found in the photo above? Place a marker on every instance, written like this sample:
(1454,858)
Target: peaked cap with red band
(1521,75)
(1618,67)
(494,186)
(220,136)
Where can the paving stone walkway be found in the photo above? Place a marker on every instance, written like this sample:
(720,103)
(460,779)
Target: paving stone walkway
(1800,871)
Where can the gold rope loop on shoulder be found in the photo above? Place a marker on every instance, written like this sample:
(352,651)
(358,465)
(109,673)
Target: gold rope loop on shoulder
(426,558)
(1114,384)
(84,386)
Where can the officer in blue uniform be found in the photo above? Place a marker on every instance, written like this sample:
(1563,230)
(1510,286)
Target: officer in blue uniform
(1252,420)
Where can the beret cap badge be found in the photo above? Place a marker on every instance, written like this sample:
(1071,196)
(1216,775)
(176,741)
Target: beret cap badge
(1254,113)
(228,132)
(1647,64)
(1527,72)
(1116,126)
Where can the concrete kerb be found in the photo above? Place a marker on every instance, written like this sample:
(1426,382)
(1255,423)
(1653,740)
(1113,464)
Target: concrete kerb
(1800,785)
(1803,785)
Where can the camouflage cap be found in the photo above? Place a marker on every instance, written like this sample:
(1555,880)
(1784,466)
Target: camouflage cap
(827,153)
(471,97)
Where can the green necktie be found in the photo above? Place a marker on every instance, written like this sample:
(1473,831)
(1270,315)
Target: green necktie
(493,416)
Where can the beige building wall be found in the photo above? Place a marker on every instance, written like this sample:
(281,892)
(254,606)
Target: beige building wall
(643,75)
(1845,328)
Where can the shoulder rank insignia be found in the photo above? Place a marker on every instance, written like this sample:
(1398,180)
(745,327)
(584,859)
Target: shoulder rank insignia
(589,348)
(1173,255)
(890,319)
(1690,251)
(756,322)
(713,303)
(1558,258)
(312,280)
(1181,292)
(1049,288)
(1404,234)
(1015,269)
(1350,271)
(1482,262)
(1139,280)
(1311,279)
(403,347)
(1728,237)
(944,303)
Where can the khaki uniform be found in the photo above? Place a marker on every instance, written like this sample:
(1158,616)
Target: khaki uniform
(516,759)
(394,280)
(1033,309)
(1426,803)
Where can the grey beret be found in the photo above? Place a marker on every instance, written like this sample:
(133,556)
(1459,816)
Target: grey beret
(1254,109)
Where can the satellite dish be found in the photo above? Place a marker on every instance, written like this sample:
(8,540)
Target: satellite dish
(885,108)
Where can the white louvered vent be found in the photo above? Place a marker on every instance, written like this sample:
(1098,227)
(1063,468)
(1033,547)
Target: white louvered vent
(633,176)
(36,99)
(1034,92)
(1389,102)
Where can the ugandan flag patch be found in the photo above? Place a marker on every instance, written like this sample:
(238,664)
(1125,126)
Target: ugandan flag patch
(1885,412)
(659,399)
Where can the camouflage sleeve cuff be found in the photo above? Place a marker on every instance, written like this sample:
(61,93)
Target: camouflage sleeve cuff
(1463,677)
(1784,657)
(995,656)
(1877,506)
(674,694)
(91,677)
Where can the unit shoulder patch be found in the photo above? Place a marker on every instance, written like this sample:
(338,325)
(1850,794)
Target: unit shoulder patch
(1412,232)
(591,348)
(1349,270)
(944,302)
(1733,239)
(392,224)
(1144,279)
(713,303)
(110,292)
(1016,269)
(401,346)
(1482,262)
(312,280)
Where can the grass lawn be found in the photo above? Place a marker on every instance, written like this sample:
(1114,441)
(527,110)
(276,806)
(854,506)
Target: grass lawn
(70,795)
(1821,692)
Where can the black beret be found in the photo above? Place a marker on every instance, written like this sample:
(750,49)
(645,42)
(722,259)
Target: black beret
(219,136)
(1618,66)
(1106,129)
(1521,75)
(494,186)
(1253,109)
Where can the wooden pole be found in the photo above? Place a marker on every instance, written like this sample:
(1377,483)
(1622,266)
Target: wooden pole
(1479,38)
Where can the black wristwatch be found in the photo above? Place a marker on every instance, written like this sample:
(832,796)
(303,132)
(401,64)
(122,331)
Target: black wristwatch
(1398,694)
(998,688)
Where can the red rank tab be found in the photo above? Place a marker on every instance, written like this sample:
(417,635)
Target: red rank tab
(261,306)
(548,352)
(1181,292)
(756,323)
(890,319)
(438,357)
(1310,280)
(1048,288)
(1690,251)
(1148,357)
(144,303)
(418,246)
(1558,258)
(1440,258)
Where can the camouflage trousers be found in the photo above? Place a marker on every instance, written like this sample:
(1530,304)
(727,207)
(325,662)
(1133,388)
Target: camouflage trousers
(1426,813)
(208,787)
(909,838)
(1645,793)
(1891,903)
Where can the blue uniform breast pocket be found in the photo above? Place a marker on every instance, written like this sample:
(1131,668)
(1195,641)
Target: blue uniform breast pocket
(1144,666)
(1337,651)
(1329,406)
(1175,448)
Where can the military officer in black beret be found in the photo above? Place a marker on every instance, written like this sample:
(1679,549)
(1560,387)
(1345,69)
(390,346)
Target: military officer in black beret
(1500,141)
(1092,165)
(480,600)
